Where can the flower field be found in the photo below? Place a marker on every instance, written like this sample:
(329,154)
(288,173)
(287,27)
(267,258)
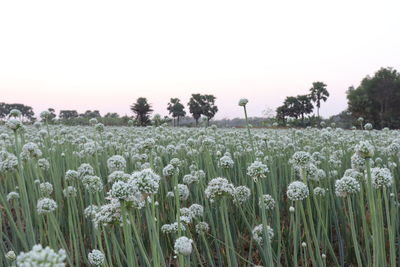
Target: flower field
(162,196)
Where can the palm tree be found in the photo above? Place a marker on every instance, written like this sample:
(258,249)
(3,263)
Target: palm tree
(176,108)
(195,106)
(142,109)
(318,92)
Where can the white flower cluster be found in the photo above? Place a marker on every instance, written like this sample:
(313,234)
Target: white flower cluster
(202,227)
(116,163)
(241,194)
(266,202)
(257,170)
(258,234)
(381,177)
(96,257)
(30,150)
(146,181)
(297,191)
(46,188)
(92,183)
(346,185)
(172,228)
(127,191)
(85,169)
(364,149)
(243,102)
(46,205)
(8,162)
(219,187)
(40,256)
(183,246)
(300,159)
(226,162)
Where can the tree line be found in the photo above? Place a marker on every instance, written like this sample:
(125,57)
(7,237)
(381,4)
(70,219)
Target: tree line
(199,105)
(298,107)
(375,100)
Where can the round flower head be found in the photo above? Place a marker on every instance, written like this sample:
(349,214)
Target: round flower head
(15,113)
(365,150)
(14,124)
(357,162)
(8,162)
(183,191)
(116,163)
(170,170)
(257,170)
(202,227)
(46,205)
(45,115)
(92,183)
(70,191)
(71,175)
(226,162)
(12,196)
(196,210)
(297,191)
(85,169)
(243,102)
(183,246)
(241,194)
(99,127)
(96,257)
(258,234)
(368,126)
(146,181)
(301,159)
(318,191)
(219,187)
(381,177)
(11,255)
(40,256)
(46,188)
(346,186)
(266,202)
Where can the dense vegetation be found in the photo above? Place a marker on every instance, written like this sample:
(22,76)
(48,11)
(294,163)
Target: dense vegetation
(156,196)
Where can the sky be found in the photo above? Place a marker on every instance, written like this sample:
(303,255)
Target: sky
(105,54)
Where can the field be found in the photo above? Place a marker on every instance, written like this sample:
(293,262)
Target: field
(162,196)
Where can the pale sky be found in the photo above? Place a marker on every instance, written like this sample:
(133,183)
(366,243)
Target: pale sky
(105,54)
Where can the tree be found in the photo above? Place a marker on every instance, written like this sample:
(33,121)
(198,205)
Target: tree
(195,106)
(112,115)
(52,114)
(90,114)
(318,92)
(176,108)
(209,109)
(377,99)
(68,114)
(304,105)
(142,109)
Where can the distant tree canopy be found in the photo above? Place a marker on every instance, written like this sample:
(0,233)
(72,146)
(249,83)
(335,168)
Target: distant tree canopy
(318,93)
(377,99)
(176,109)
(26,111)
(68,114)
(295,107)
(202,105)
(142,110)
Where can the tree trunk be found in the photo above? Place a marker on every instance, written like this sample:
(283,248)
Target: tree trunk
(178,121)
(197,122)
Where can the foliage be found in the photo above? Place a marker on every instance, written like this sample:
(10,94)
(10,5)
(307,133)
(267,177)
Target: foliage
(377,99)
(142,109)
